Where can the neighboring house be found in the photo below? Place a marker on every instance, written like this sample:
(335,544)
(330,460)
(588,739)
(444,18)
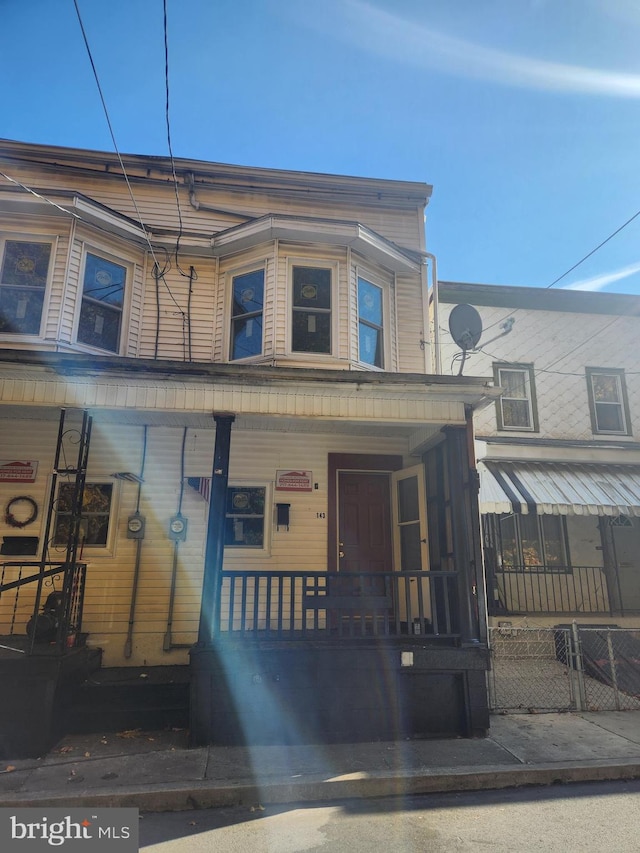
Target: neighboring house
(262,350)
(559,452)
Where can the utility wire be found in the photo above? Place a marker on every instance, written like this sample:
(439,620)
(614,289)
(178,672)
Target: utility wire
(166,111)
(115,146)
(575,266)
(37,195)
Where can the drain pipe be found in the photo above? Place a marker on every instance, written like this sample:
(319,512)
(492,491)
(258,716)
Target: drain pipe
(436,311)
(167,643)
(136,570)
(196,205)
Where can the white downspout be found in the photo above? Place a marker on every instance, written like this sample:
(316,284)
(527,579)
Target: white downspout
(436,311)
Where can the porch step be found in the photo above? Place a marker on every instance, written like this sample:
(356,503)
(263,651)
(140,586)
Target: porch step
(118,698)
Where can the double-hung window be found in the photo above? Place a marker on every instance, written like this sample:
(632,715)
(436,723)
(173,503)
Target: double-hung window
(95,514)
(23,280)
(516,409)
(370,324)
(246,314)
(608,401)
(245,517)
(103,294)
(311,312)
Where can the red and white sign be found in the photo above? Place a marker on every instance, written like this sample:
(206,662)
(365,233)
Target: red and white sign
(294,481)
(18,472)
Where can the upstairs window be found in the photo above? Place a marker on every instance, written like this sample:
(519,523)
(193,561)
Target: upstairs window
(608,401)
(103,290)
(370,331)
(23,281)
(311,320)
(516,409)
(246,315)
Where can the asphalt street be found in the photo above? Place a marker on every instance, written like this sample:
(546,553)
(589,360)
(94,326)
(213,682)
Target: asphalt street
(598,816)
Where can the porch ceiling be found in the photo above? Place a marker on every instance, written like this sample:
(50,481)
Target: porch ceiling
(559,488)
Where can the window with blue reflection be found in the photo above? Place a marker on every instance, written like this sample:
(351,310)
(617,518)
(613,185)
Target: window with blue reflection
(103,287)
(370,324)
(246,315)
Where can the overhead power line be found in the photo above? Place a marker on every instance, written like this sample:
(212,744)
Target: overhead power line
(161,271)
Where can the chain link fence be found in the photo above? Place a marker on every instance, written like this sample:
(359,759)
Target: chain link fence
(564,668)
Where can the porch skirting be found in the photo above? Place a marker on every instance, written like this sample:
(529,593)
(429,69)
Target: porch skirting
(248,693)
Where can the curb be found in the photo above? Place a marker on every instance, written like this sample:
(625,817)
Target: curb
(202,795)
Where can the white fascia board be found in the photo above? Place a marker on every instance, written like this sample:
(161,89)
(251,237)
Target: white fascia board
(75,207)
(334,233)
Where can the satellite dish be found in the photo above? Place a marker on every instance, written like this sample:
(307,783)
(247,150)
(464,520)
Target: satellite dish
(465,325)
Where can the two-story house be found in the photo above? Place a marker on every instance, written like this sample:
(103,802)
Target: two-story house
(559,455)
(268,481)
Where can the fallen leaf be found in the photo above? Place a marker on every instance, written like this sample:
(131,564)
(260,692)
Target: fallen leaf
(129,733)
(66,749)
(9,768)
(87,755)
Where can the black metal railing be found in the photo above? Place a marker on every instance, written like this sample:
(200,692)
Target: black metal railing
(41,604)
(295,605)
(556,589)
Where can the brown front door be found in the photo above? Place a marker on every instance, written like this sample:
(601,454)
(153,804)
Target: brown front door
(364,522)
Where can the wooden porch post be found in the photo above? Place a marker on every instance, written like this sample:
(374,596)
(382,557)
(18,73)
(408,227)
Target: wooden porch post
(214,550)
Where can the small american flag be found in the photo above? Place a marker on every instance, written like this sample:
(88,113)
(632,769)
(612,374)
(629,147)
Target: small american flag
(202,485)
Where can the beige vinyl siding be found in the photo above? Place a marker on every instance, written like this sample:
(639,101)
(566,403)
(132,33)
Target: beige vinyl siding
(255,458)
(155,200)
(411,328)
(54,304)
(136,299)
(173,291)
(71,292)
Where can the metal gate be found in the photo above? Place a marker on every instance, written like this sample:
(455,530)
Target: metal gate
(565,668)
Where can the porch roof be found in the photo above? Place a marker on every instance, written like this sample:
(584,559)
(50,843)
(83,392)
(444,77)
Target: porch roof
(559,488)
(150,389)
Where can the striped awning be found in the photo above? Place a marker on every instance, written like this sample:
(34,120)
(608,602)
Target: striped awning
(559,488)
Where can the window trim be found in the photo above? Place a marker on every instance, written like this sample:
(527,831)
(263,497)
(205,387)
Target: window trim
(314,263)
(90,248)
(108,549)
(531,398)
(590,372)
(368,275)
(31,237)
(521,567)
(229,277)
(247,551)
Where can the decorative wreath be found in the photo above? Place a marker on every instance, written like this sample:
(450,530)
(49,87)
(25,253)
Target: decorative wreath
(10,518)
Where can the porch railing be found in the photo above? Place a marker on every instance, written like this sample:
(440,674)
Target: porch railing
(540,589)
(41,604)
(324,605)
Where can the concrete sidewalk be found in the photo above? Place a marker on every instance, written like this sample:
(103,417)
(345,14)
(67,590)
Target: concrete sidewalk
(155,771)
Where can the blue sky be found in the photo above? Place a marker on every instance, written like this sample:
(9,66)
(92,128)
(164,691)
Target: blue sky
(523,114)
